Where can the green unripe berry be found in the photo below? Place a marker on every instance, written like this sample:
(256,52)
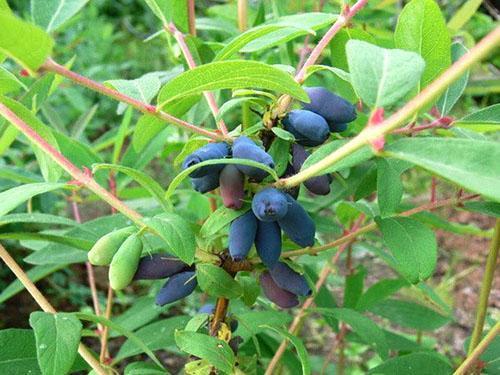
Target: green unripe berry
(103,250)
(125,262)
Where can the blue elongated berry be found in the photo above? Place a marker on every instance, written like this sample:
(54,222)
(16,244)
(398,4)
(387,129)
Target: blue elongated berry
(331,107)
(336,127)
(177,287)
(269,204)
(286,278)
(232,186)
(242,235)
(268,242)
(209,151)
(206,183)
(308,128)
(297,224)
(274,293)
(208,308)
(245,148)
(158,266)
(319,185)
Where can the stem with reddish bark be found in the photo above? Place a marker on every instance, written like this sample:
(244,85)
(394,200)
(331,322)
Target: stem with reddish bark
(209,96)
(192,17)
(343,20)
(51,66)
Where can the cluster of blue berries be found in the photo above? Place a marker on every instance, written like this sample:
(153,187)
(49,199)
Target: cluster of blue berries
(272,211)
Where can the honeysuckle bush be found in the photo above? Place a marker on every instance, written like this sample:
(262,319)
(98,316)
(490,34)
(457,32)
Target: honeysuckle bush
(237,170)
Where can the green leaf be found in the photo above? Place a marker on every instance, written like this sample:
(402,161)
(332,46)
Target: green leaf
(389,186)
(155,336)
(295,25)
(413,246)
(236,74)
(485,208)
(36,218)
(57,339)
(470,163)
(12,198)
(141,368)
(140,177)
(143,311)
(422,29)
(456,89)
(185,173)
(378,292)
(51,14)
(131,336)
(177,234)
(342,74)
(251,323)
(280,152)
(28,45)
(18,352)
(143,88)
(216,282)
(381,77)
(299,346)
(365,328)
(354,287)
(349,161)
(34,274)
(409,314)
(243,39)
(426,363)
(9,82)
(51,171)
(170,11)
(220,219)
(215,351)
(485,120)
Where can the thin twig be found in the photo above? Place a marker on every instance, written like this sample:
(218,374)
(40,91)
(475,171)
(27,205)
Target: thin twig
(242,15)
(82,177)
(51,66)
(489,272)
(209,96)
(45,305)
(104,339)
(342,20)
(192,17)
(480,348)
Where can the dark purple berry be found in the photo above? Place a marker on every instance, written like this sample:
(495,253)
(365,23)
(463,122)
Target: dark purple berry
(331,107)
(232,186)
(319,185)
(308,128)
(268,242)
(242,235)
(297,224)
(286,278)
(208,152)
(206,183)
(293,191)
(245,148)
(270,204)
(177,287)
(234,344)
(233,324)
(158,266)
(336,127)
(274,293)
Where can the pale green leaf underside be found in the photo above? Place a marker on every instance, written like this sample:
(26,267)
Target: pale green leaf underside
(51,14)
(380,76)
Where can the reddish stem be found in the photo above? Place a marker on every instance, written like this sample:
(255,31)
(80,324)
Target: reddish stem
(51,66)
